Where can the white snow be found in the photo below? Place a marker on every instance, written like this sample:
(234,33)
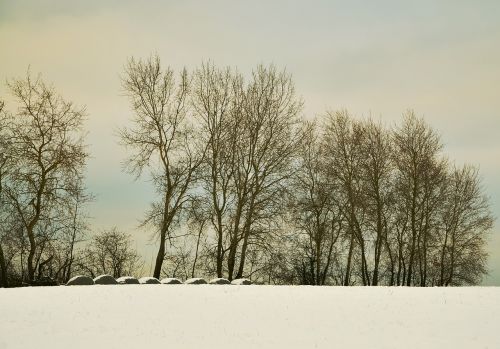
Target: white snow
(158,316)
(241,282)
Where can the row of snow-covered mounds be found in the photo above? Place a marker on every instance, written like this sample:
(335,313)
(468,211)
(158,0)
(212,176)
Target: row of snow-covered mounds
(82,280)
(190,317)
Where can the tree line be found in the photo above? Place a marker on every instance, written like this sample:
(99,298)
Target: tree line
(245,187)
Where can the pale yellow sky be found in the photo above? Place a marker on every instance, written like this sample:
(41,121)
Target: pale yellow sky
(380,58)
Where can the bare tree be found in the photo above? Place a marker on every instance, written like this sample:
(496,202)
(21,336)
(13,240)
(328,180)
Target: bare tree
(342,145)
(161,140)
(252,132)
(315,212)
(465,220)
(377,172)
(217,104)
(4,165)
(47,145)
(420,175)
(270,138)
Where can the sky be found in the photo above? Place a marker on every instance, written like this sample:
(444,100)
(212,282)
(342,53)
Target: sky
(374,58)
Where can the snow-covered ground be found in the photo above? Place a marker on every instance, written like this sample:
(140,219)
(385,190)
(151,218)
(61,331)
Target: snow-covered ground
(229,316)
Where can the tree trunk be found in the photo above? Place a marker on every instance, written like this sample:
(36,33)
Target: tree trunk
(231,258)
(413,230)
(364,265)
(31,256)
(412,252)
(3,270)
(329,258)
(220,253)
(246,232)
(349,258)
(391,259)
(160,256)
(196,252)
(378,246)
(443,252)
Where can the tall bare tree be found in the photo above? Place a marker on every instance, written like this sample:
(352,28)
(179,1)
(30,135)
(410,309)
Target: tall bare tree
(420,174)
(5,162)
(161,140)
(342,145)
(315,212)
(47,145)
(252,132)
(377,172)
(217,104)
(465,220)
(270,138)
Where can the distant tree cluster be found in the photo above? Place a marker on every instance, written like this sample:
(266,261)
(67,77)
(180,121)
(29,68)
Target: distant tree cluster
(245,188)
(109,252)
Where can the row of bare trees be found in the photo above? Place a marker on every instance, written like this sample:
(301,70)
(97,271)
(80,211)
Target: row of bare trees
(376,206)
(247,188)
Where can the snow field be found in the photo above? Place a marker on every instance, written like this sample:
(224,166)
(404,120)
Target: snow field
(232,316)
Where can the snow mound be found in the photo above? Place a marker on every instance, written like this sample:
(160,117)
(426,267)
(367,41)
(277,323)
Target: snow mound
(80,280)
(171,281)
(241,282)
(220,281)
(195,281)
(149,280)
(127,280)
(105,280)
